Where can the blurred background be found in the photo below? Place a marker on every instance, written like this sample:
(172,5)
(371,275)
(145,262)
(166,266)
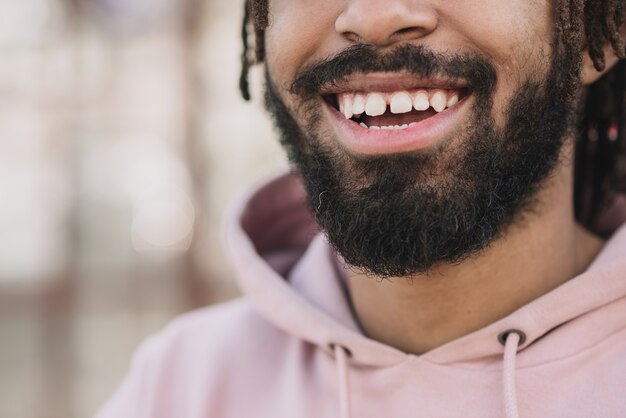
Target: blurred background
(123,142)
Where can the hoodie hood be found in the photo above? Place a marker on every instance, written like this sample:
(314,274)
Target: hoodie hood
(298,287)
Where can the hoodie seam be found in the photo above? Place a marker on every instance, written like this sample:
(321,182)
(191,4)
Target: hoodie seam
(545,363)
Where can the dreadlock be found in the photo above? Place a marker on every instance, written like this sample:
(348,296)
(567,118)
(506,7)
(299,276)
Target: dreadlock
(255,20)
(600,168)
(600,171)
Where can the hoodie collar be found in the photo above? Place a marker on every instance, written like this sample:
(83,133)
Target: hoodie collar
(286,268)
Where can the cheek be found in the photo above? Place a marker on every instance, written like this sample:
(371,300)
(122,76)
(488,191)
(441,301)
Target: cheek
(516,36)
(512,34)
(522,67)
(300,32)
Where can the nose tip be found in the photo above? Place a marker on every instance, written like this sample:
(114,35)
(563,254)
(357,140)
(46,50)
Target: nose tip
(386,22)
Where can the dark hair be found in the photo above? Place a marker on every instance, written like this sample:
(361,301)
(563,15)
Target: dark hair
(600,167)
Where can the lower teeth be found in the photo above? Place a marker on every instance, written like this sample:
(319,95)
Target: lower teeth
(388,128)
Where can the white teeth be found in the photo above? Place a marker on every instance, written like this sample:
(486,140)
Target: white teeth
(375,105)
(421,101)
(347,106)
(393,128)
(388,128)
(453,100)
(358,106)
(401,103)
(439,101)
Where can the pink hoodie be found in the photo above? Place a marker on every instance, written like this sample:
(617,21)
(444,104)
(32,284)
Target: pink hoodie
(291,348)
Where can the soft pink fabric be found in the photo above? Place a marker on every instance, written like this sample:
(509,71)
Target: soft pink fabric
(279,351)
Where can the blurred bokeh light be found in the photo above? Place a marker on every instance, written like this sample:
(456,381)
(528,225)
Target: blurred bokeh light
(123,142)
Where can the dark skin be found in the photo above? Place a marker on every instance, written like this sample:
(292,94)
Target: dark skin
(535,255)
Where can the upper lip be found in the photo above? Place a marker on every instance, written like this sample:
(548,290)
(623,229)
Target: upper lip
(386,83)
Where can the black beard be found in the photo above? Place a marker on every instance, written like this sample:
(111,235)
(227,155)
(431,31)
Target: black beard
(396,216)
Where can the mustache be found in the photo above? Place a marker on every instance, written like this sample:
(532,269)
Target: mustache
(417,60)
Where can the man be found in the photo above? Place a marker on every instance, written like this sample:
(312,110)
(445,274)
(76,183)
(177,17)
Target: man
(463,161)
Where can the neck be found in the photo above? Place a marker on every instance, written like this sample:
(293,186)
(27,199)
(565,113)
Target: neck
(533,257)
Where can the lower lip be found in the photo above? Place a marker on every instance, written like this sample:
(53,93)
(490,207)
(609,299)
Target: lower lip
(425,134)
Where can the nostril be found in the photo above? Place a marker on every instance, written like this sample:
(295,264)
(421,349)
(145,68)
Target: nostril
(352,37)
(408,33)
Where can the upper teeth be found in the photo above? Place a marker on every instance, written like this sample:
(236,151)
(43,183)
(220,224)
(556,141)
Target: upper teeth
(375,104)
(401,103)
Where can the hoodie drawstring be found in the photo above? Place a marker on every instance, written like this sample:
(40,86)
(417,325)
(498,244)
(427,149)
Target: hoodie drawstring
(511,340)
(341,357)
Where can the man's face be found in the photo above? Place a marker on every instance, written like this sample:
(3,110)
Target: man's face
(397,188)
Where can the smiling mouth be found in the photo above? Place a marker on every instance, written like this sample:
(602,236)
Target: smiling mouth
(394,110)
